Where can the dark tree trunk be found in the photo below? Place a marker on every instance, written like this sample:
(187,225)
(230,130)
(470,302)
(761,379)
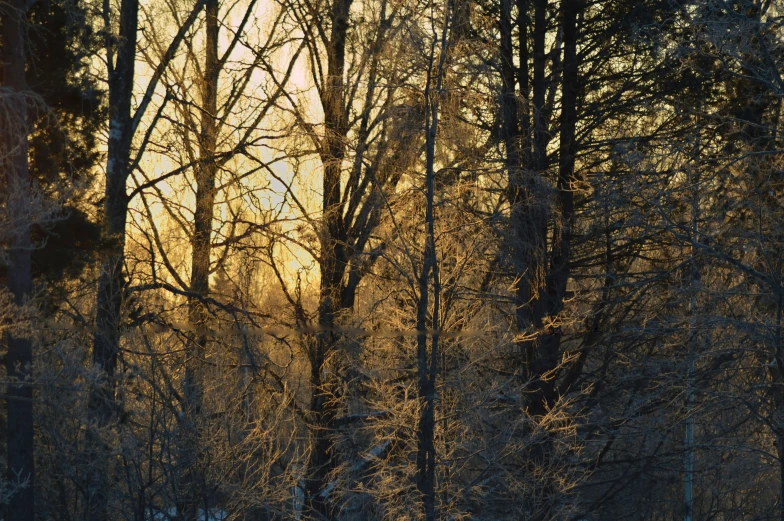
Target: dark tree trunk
(332,262)
(780,444)
(525,170)
(106,342)
(544,391)
(559,268)
(510,119)
(523,79)
(540,282)
(19,360)
(553,293)
(780,440)
(426,371)
(193,392)
(427,366)
(540,86)
(515,160)
(777,375)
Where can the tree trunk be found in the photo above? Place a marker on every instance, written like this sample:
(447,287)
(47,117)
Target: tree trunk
(780,444)
(777,375)
(332,263)
(559,268)
(194,490)
(540,285)
(529,203)
(106,342)
(510,119)
(19,360)
(540,86)
(427,366)
(515,160)
(553,294)
(523,79)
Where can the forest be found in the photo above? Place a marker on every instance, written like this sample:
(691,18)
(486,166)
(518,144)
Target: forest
(392,260)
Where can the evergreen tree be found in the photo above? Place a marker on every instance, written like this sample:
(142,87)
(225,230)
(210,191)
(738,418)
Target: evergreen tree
(63,142)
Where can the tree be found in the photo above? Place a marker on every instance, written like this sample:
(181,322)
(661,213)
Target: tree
(124,121)
(51,119)
(19,215)
(359,82)
(427,363)
(218,135)
(370,260)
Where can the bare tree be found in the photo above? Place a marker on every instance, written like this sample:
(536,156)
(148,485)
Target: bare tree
(427,363)
(120,37)
(353,67)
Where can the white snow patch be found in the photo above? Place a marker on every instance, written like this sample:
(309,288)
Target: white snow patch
(171,513)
